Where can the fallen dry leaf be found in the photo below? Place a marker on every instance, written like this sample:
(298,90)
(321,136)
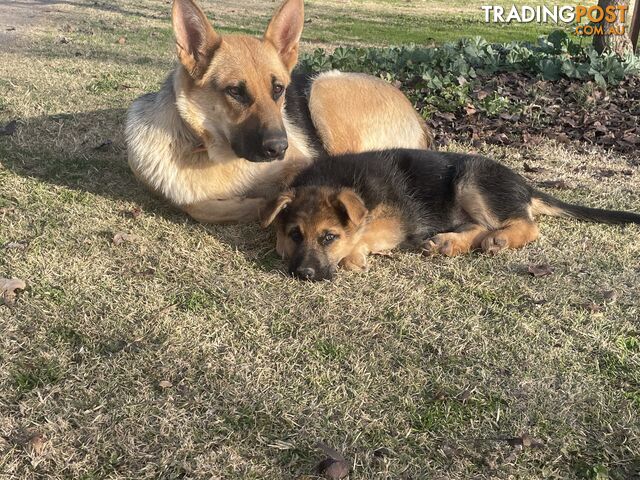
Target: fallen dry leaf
(525,441)
(446,116)
(8,289)
(530,169)
(335,466)
(329,451)
(36,444)
(540,270)
(121,237)
(333,469)
(136,212)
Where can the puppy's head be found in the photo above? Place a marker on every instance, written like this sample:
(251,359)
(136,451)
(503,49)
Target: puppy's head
(316,228)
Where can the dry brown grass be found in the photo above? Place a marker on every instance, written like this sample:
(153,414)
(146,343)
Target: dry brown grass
(187,353)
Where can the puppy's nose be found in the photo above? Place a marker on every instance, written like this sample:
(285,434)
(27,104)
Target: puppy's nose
(305,273)
(274,147)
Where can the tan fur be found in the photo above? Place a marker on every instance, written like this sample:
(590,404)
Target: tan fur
(165,130)
(385,118)
(473,204)
(539,207)
(383,232)
(514,234)
(463,240)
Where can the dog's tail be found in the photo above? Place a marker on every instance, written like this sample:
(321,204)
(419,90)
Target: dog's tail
(544,204)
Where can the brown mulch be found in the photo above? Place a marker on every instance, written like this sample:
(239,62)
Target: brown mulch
(579,114)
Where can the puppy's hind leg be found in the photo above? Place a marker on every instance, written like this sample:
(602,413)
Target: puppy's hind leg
(497,199)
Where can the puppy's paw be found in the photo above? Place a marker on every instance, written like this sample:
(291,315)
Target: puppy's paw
(494,243)
(448,244)
(356,262)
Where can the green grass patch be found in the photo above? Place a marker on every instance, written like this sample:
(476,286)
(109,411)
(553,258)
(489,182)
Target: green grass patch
(40,373)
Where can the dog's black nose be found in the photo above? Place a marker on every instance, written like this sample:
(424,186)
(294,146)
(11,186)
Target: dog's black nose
(305,273)
(274,147)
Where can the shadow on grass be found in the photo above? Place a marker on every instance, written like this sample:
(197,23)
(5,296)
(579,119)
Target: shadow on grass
(98,6)
(86,152)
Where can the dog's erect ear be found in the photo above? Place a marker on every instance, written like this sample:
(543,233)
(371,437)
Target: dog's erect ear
(285,29)
(274,207)
(196,39)
(351,205)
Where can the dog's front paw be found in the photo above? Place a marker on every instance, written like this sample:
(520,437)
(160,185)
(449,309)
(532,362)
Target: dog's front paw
(356,262)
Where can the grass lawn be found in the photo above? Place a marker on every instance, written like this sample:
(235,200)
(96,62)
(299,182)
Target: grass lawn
(187,353)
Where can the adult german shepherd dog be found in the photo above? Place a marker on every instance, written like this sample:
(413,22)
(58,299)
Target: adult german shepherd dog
(232,125)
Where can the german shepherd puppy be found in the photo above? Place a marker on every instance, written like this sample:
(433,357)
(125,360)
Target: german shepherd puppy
(342,208)
(230,126)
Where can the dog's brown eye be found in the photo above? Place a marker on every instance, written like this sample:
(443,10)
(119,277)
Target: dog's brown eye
(234,91)
(327,238)
(296,235)
(277,91)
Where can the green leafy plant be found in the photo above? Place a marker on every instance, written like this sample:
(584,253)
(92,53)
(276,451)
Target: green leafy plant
(441,76)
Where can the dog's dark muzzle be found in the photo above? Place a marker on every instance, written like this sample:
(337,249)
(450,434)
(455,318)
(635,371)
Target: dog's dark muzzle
(257,143)
(309,268)
(274,146)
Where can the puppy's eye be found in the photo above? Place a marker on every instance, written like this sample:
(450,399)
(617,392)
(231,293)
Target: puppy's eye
(277,91)
(328,238)
(234,92)
(296,235)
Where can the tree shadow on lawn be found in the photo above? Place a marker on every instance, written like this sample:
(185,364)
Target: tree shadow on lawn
(86,152)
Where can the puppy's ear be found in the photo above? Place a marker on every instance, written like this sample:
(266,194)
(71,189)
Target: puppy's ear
(285,29)
(274,207)
(351,205)
(196,40)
